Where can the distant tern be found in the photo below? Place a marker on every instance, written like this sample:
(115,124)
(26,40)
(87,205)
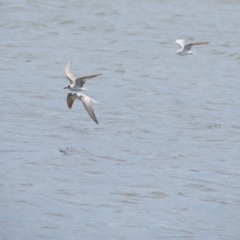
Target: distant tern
(76,85)
(87,103)
(185,49)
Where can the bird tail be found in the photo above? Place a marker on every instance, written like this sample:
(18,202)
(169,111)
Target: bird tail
(95,101)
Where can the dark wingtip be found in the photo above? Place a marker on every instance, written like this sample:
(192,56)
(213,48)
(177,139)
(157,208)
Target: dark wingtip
(95,120)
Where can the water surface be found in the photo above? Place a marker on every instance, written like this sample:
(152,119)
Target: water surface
(164,161)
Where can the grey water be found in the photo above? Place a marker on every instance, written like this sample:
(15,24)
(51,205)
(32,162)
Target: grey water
(163,163)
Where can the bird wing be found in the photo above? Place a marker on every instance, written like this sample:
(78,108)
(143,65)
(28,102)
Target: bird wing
(70,100)
(81,81)
(189,46)
(69,74)
(181,43)
(87,103)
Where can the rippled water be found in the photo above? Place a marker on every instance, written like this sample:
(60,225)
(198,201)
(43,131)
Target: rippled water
(164,161)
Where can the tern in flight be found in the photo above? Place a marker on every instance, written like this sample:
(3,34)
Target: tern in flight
(185,49)
(87,103)
(76,85)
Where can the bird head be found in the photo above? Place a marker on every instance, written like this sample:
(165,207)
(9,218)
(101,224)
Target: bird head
(67,87)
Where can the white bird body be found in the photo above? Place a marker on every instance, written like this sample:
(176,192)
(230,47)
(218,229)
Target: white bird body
(185,49)
(76,84)
(87,103)
(76,88)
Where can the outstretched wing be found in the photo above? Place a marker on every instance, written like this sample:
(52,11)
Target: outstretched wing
(87,103)
(70,100)
(189,46)
(81,81)
(69,74)
(181,43)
